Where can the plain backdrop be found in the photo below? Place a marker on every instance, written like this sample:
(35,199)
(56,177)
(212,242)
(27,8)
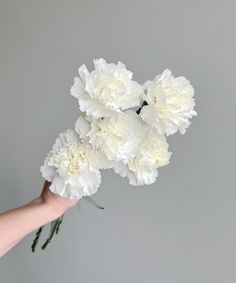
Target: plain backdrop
(180,229)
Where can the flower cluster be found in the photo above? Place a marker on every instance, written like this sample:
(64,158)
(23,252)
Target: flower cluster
(109,134)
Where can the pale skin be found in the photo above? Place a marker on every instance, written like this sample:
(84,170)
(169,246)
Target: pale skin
(15,224)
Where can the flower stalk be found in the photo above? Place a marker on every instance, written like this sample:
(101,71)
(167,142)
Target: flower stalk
(54,229)
(36,239)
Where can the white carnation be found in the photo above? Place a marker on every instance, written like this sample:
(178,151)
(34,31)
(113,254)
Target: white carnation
(152,153)
(117,136)
(72,167)
(170,103)
(107,89)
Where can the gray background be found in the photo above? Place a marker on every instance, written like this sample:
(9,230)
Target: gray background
(182,228)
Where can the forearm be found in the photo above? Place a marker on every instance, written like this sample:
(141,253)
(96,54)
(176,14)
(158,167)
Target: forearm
(17,223)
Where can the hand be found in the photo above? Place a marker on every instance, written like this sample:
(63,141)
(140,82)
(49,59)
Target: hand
(56,202)
(15,224)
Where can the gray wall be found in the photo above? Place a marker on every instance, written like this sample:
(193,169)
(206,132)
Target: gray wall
(182,228)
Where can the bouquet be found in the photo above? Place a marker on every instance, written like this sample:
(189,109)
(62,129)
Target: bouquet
(124,126)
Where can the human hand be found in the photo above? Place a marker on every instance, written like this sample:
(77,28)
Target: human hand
(57,203)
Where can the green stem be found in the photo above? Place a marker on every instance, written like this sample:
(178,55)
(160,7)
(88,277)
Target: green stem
(144,103)
(93,202)
(36,239)
(59,224)
(54,229)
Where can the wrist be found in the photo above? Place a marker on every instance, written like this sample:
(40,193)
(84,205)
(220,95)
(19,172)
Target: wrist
(52,210)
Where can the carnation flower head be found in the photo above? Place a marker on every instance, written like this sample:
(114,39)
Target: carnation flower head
(170,103)
(107,89)
(73,166)
(117,137)
(152,154)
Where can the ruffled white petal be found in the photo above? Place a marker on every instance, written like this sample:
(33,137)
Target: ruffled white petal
(47,171)
(152,153)
(83,72)
(82,127)
(107,89)
(72,166)
(170,103)
(58,186)
(118,136)
(77,90)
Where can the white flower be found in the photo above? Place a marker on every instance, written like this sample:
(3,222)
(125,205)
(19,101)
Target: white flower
(152,153)
(117,136)
(107,89)
(73,167)
(170,103)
